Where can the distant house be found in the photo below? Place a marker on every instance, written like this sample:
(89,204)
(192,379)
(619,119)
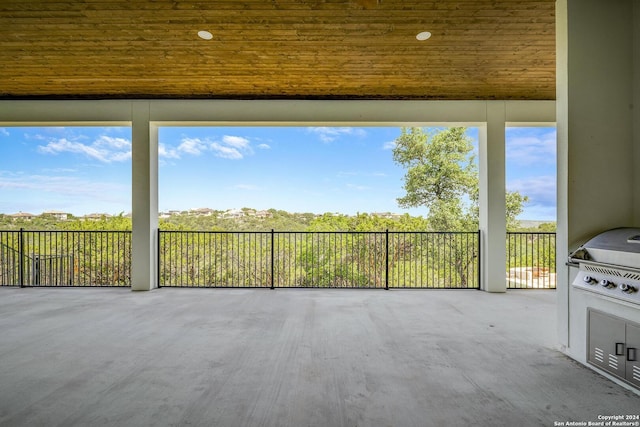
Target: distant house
(263,214)
(22,215)
(201,212)
(387,215)
(168,214)
(62,216)
(96,216)
(233,214)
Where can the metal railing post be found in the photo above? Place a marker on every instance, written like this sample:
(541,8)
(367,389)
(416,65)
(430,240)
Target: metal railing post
(21,257)
(72,268)
(479,261)
(272,257)
(36,271)
(386,261)
(158,260)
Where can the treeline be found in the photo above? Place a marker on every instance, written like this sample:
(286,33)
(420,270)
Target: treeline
(278,220)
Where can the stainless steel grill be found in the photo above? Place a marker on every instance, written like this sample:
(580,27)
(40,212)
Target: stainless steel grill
(609,264)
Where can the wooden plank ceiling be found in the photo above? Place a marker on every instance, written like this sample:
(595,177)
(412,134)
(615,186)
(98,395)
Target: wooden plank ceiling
(302,49)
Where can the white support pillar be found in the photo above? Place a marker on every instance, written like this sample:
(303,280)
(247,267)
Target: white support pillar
(562,147)
(492,199)
(145,199)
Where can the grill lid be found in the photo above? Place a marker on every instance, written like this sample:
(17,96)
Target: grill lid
(619,246)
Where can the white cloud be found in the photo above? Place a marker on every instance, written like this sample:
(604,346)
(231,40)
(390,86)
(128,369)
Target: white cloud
(541,190)
(531,150)
(36,137)
(264,147)
(226,152)
(167,153)
(115,143)
(64,145)
(121,147)
(235,141)
(104,149)
(121,156)
(63,185)
(59,170)
(231,147)
(389,145)
(4,132)
(358,187)
(193,146)
(539,213)
(228,147)
(329,134)
(247,187)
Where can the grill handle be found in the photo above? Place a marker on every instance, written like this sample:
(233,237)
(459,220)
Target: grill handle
(620,349)
(631,354)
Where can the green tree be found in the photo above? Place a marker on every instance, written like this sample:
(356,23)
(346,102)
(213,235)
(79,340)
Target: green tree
(440,172)
(514,204)
(443,177)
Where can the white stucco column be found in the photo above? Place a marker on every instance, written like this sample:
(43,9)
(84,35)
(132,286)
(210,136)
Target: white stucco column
(562,147)
(492,199)
(145,199)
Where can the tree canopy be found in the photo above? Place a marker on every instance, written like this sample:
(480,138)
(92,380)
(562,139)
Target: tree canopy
(443,177)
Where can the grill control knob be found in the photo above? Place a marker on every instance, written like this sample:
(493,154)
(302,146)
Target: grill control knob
(589,280)
(607,284)
(627,288)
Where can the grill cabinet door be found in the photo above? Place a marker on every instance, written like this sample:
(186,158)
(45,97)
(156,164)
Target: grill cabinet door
(632,353)
(607,349)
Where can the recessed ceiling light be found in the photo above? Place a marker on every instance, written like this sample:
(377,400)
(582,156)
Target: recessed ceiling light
(423,35)
(205,35)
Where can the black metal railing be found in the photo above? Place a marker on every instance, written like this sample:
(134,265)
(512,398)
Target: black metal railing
(319,259)
(274,259)
(65,258)
(531,260)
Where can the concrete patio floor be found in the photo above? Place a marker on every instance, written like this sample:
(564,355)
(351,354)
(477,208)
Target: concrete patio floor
(205,357)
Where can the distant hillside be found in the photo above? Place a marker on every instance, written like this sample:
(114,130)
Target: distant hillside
(245,219)
(528,224)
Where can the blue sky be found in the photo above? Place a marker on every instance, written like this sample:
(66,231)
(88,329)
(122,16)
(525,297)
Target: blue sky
(299,169)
